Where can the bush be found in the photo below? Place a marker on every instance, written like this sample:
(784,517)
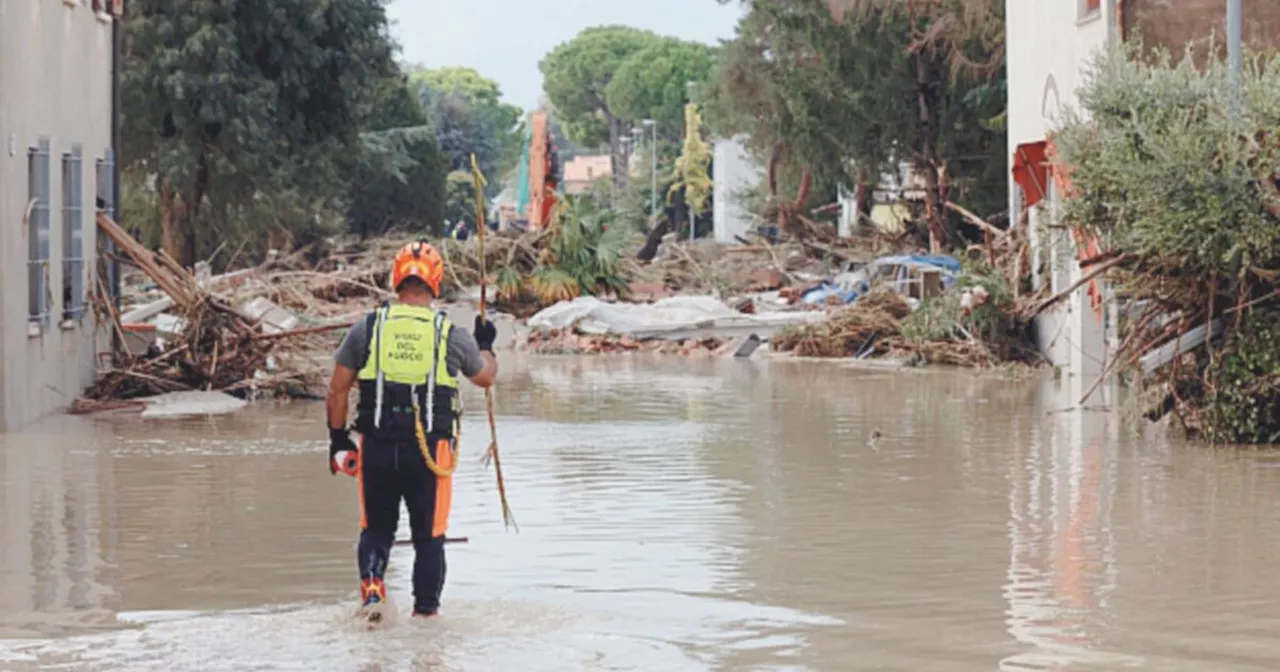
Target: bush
(1163,174)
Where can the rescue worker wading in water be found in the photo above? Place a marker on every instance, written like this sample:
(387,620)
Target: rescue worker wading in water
(406,359)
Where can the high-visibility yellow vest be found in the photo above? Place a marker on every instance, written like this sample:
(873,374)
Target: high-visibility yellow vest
(406,368)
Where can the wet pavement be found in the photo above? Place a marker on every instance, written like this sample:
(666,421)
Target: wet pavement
(674,515)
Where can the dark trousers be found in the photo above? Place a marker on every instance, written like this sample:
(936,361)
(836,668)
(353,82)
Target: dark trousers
(395,470)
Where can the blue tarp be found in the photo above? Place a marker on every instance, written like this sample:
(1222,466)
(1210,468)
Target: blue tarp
(818,295)
(949,266)
(940,261)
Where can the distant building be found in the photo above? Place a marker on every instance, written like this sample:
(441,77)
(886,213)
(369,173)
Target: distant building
(1049,43)
(890,212)
(56,161)
(581,171)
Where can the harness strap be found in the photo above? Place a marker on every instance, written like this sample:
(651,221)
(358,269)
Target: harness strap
(379,376)
(431,377)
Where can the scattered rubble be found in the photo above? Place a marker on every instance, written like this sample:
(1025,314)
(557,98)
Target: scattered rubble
(270,330)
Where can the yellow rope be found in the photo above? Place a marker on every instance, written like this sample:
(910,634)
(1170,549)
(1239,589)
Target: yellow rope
(426,448)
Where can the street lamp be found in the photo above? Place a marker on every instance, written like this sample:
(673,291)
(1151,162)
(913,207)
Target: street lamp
(653,171)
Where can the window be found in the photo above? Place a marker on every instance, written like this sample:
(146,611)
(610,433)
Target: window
(72,233)
(38,233)
(105,176)
(1089,8)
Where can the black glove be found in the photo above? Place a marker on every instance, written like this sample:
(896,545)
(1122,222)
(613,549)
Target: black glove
(486,333)
(339,441)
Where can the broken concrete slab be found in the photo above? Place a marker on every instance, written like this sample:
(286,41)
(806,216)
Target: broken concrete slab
(270,316)
(743,346)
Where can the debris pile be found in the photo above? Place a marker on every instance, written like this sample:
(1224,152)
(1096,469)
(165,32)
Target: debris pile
(974,323)
(567,342)
(195,338)
(860,330)
(269,330)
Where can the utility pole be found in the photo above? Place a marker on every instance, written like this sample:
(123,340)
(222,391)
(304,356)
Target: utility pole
(653,170)
(1235,26)
(693,220)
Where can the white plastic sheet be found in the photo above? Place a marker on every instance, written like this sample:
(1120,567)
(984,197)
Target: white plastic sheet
(673,318)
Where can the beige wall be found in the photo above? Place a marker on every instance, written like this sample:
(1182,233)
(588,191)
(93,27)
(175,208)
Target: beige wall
(1175,23)
(55,81)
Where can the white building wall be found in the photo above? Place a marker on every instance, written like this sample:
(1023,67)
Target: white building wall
(55,83)
(735,171)
(1050,43)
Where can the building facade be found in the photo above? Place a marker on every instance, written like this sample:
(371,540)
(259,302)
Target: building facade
(735,172)
(56,162)
(582,171)
(1050,43)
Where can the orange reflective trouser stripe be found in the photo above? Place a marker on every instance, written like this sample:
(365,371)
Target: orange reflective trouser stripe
(444,489)
(364,516)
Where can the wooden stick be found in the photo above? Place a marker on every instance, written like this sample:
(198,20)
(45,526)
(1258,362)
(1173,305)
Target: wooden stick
(1103,268)
(302,332)
(508,518)
(447,540)
(974,219)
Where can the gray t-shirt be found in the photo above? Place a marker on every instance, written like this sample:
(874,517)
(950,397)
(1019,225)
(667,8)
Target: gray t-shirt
(463,352)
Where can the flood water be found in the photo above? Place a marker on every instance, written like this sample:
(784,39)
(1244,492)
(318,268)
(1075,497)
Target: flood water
(674,515)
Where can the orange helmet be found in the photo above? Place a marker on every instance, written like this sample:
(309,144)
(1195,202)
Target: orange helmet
(419,260)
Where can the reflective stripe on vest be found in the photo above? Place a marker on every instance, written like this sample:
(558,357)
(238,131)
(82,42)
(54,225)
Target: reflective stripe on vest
(408,347)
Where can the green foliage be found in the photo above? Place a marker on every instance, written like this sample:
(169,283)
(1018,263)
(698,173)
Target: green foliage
(634,203)
(843,93)
(468,115)
(582,251)
(1162,173)
(399,181)
(242,103)
(941,317)
(1242,402)
(576,77)
(460,197)
(588,246)
(653,83)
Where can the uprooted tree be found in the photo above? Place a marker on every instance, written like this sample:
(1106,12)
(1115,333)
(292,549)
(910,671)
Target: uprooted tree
(1184,200)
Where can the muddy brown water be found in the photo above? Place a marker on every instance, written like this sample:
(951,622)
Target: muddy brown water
(674,515)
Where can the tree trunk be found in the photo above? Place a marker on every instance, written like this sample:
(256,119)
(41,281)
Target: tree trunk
(617,157)
(174,233)
(192,211)
(178,216)
(651,242)
(774,157)
(928,161)
(863,200)
(679,214)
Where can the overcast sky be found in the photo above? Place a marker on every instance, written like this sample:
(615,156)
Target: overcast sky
(505,39)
